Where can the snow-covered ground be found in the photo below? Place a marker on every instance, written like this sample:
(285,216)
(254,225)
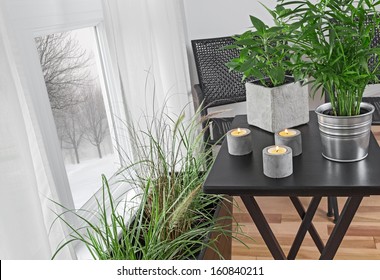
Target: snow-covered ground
(85,178)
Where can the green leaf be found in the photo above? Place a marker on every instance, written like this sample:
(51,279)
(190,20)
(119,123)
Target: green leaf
(232,64)
(277,75)
(246,65)
(229,47)
(279,9)
(256,73)
(258,24)
(364,64)
(246,42)
(274,29)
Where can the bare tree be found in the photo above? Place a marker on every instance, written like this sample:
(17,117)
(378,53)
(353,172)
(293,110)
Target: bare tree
(94,118)
(72,131)
(59,119)
(65,68)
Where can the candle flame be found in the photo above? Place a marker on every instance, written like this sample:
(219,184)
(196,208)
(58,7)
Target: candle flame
(286,131)
(277,149)
(238,130)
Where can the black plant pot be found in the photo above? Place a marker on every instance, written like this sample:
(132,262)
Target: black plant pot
(222,243)
(222,213)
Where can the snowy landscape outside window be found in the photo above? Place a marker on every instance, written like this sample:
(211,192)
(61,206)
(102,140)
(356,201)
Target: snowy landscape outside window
(73,76)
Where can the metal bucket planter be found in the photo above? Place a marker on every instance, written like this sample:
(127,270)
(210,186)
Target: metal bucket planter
(345,139)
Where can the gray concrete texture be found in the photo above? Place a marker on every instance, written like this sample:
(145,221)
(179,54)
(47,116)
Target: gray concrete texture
(274,109)
(294,142)
(277,166)
(239,145)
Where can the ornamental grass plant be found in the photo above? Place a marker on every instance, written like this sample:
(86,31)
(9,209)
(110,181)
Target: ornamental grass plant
(174,218)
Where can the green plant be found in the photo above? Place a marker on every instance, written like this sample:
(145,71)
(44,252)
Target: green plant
(174,217)
(331,42)
(263,52)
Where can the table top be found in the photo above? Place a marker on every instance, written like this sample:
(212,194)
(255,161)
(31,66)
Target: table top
(312,173)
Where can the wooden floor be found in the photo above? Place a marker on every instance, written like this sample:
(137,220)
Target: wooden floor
(362,240)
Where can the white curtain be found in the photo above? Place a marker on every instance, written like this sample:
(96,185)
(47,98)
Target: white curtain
(149,36)
(148,43)
(25,210)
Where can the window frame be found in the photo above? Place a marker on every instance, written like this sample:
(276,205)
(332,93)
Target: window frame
(43,20)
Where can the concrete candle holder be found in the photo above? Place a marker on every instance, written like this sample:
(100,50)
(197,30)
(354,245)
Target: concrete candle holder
(239,141)
(291,138)
(277,161)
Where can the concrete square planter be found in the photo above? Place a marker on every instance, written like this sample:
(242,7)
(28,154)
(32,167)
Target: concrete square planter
(274,109)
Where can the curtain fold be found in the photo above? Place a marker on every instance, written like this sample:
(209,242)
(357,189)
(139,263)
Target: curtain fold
(151,48)
(149,52)
(26,213)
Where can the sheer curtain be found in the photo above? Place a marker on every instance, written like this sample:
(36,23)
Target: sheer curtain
(25,212)
(149,37)
(148,45)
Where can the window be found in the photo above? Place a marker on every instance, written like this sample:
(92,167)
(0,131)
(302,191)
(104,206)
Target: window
(27,23)
(73,74)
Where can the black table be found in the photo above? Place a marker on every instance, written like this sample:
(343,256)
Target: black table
(312,176)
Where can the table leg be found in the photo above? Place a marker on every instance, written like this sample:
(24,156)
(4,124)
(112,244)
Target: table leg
(330,212)
(305,226)
(263,227)
(340,229)
(313,232)
(334,202)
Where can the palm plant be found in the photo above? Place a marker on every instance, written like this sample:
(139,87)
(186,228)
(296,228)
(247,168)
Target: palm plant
(332,43)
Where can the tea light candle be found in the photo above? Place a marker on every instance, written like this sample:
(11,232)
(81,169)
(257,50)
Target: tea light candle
(239,141)
(277,161)
(291,138)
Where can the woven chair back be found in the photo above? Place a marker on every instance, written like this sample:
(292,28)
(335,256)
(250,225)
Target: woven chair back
(219,85)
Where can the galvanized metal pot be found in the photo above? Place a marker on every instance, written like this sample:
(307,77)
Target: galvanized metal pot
(345,139)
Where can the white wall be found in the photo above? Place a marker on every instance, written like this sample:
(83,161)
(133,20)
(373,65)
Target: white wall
(218,18)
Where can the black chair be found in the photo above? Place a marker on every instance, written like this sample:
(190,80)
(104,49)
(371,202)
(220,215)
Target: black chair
(217,85)
(375,101)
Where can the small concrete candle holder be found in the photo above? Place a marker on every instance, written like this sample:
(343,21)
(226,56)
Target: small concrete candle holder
(239,141)
(291,138)
(277,161)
